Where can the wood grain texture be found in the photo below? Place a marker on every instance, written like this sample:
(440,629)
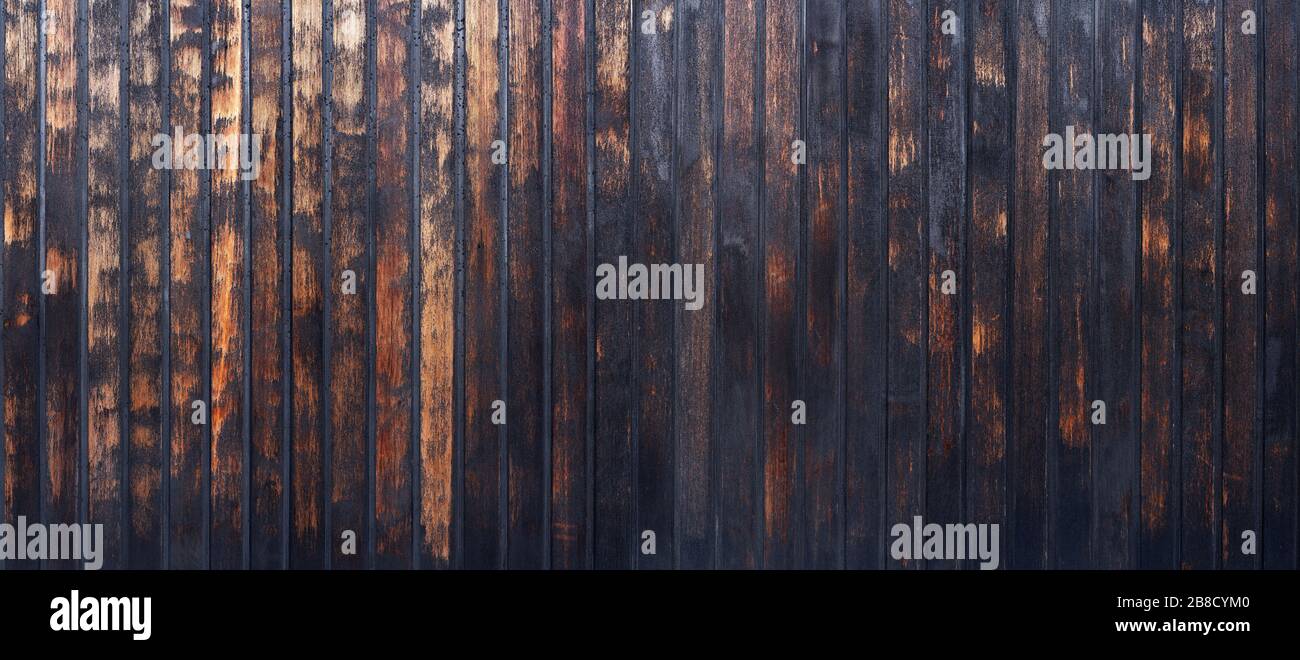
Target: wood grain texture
(1200,295)
(61,272)
(351,285)
(309,272)
(988,263)
(698,101)
(613,487)
(571,279)
(1278,539)
(737,394)
(1158,222)
(21,334)
(229,263)
(907,282)
(484,452)
(1113,307)
(394,337)
(106,404)
(1241,311)
(147,227)
(269,230)
(945,101)
(467,165)
(525,441)
(654,342)
(437,265)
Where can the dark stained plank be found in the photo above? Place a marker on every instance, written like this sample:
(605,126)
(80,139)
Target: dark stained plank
(393,284)
(188,287)
(1278,538)
(1027,424)
(945,199)
(699,34)
(615,535)
(1115,367)
(437,243)
(867,261)
(229,341)
(907,279)
(653,338)
(1070,467)
(1199,295)
(781,212)
(736,408)
(270,264)
(1241,311)
(21,333)
(526,332)
(61,279)
(104,278)
(309,541)
(571,282)
(484,242)
(823,448)
(349,309)
(1158,541)
(988,249)
(147,201)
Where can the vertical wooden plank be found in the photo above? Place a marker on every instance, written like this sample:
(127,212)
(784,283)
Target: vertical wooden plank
(524,434)
(309,267)
(61,279)
(651,220)
(393,331)
(22,496)
(1114,450)
(146,198)
(349,309)
(1158,541)
(1241,349)
(907,281)
(945,199)
(698,25)
(614,524)
(267,341)
(228,263)
(1071,276)
(1027,442)
(571,282)
(867,261)
(483,245)
(1200,296)
(990,171)
(189,287)
(736,403)
(1278,539)
(437,278)
(104,280)
(823,459)
(780,231)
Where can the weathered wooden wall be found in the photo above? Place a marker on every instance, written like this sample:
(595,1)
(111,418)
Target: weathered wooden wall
(130,292)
